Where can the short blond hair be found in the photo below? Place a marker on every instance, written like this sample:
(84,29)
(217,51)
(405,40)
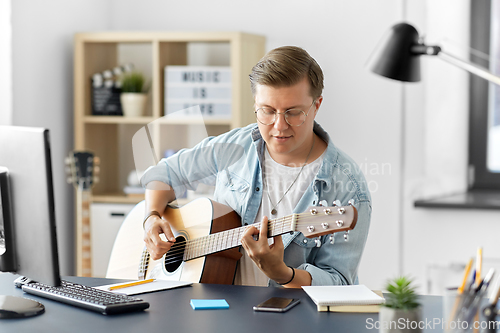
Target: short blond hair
(286,66)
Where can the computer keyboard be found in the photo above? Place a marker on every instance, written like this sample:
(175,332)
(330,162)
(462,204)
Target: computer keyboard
(89,298)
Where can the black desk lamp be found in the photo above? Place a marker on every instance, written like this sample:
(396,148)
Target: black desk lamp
(398,56)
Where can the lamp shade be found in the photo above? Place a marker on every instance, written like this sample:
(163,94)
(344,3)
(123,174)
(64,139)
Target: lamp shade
(394,58)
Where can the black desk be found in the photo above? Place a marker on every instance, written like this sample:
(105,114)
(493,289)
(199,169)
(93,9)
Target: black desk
(170,312)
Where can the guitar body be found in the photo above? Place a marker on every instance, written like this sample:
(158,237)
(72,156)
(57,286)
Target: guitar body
(200,218)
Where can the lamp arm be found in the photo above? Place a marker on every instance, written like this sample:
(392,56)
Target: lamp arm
(420,49)
(472,68)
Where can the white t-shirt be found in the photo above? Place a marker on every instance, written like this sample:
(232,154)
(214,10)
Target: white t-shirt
(277,179)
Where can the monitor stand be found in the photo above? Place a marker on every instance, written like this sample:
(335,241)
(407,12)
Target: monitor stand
(19,307)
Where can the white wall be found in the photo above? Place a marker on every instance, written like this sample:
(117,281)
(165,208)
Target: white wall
(5,62)
(42,66)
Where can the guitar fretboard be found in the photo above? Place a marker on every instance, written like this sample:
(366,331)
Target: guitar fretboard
(228,239)
(84,255)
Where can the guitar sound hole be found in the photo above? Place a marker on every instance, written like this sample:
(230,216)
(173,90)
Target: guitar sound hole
(173,258)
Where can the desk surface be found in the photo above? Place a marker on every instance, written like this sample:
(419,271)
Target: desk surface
(170,311)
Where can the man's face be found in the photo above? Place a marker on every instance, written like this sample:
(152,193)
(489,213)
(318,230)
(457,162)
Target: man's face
(288,144)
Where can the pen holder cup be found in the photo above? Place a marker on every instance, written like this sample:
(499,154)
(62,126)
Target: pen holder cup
(455,314)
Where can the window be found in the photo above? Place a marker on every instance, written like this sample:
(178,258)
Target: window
(484,135)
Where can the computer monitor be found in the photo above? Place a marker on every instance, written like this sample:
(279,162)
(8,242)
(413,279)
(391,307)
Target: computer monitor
(28,243)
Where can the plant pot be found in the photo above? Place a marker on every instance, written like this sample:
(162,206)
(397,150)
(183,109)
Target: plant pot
(400,321)
(133,104)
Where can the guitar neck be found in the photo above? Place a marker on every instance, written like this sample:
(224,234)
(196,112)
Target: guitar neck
(228,239)
(83,250)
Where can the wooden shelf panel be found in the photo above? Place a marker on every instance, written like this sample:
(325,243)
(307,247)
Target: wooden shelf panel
(187,121)
(138,37)
(117,198)
(116,120)
(147,120)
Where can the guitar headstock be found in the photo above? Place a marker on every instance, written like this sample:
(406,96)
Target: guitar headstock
(83,168)
(318,221)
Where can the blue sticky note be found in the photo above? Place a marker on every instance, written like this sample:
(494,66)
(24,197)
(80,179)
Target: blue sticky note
(205,304)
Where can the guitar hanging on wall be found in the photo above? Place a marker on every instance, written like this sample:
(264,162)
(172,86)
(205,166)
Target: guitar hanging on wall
(83,170)
(208,235)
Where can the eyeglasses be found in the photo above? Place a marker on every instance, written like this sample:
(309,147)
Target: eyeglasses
(293,117)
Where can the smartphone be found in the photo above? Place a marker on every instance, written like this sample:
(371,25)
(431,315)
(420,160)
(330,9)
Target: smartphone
(277,304)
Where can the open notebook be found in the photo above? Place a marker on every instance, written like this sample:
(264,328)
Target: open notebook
(356,298)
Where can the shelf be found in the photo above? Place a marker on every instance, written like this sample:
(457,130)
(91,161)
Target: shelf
(147,120)
(187,121)
(143,37)
(117,198)
(117,120)
(472,199)
(111,138)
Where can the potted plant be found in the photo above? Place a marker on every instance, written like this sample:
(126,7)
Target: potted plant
(401,311)
(134,94)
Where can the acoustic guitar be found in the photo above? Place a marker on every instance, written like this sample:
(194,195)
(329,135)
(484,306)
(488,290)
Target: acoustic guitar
(83,169)
(208,235)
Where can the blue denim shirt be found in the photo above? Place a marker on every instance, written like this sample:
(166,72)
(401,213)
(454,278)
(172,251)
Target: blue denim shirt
(232,162)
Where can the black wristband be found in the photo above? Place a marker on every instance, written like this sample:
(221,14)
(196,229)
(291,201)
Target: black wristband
(293,275)
(151,213)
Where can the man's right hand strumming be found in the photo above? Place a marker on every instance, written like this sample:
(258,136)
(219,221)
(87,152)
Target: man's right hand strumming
(158,196)
(153,228)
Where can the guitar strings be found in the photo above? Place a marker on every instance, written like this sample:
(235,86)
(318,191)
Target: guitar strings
(201,243)
(201,249)
(208,246)
(170,258)
(232,236)
(274,225)
(203,240)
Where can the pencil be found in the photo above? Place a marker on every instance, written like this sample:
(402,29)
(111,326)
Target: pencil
(130,284)
(479,263)
(466,275)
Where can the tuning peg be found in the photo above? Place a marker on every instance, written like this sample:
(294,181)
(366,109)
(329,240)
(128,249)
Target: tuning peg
(332,239)
(317,241)
(97,160)
(69,180)
(96,179)
(323,203)
(97,169)
(68,160)
(346,236)
(351,202)
(68,169)
(336,203)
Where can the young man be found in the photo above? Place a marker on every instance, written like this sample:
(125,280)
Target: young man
(281,165)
